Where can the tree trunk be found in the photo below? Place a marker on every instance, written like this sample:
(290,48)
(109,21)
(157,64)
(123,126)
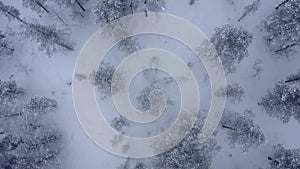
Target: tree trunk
(13,115)
(242,17)
(14,16)
(44,8)
(292,80)
(228,127)
(271,159)
(131,7)
(285,48)
(65,46)
(281,4)
(79,4)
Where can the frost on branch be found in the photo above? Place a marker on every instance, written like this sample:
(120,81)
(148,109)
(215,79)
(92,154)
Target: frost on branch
(283,28)
(49,38)
(109,10)
(242,130)
(231,44)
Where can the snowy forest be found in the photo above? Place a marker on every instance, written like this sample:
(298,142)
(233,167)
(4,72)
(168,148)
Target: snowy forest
(258,42)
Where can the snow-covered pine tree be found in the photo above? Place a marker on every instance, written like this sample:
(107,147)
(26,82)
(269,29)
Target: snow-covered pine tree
(283,100)
(241,130)
(26,141)
(283,28)
(231,44)
(189,153)
(109,10)
(49,37)
(282,158)
(37,107)
(30,143)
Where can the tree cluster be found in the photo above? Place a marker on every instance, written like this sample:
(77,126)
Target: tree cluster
(26,140)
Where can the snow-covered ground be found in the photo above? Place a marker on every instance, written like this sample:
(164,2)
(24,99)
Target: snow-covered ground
(48,76)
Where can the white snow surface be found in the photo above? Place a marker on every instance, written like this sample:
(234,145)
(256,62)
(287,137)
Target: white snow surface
(48,77)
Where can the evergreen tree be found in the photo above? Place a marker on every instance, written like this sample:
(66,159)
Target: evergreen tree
(27,141)
(282,158)
(243,131)
(189,153)
(109,10)
(231,44)
(283,100)
(49,38)
(283,27)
